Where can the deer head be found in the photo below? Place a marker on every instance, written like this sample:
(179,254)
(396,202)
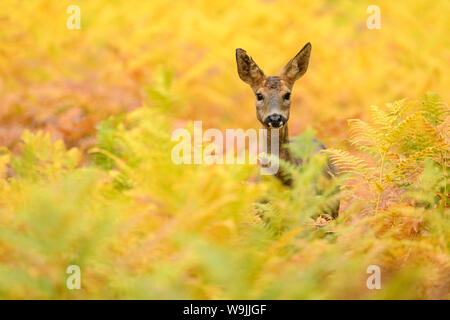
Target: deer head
(273,93)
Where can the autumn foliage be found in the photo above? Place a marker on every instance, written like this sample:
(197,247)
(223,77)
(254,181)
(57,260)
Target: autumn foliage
(86,176)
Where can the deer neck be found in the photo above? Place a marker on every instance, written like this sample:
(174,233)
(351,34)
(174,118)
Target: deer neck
(283,140)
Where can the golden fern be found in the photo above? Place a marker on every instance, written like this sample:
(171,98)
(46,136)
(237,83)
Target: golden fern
(435,110)
(351,164)
(400,138)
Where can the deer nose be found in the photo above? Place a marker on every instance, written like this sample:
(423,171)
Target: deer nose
(275,121)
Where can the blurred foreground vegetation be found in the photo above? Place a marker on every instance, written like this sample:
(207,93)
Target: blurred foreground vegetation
(140,226)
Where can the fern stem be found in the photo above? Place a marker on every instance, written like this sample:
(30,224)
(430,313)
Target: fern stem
(444,169)
(380,181)
(378,202)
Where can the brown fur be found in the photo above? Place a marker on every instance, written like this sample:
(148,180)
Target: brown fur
(273,90)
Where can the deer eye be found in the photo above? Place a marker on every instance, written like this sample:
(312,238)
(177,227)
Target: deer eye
(259,96)
(287,96)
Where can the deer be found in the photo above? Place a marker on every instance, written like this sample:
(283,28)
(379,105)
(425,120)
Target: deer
(273,101)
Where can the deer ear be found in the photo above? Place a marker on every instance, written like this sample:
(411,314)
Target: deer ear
(298,65)
(248,70)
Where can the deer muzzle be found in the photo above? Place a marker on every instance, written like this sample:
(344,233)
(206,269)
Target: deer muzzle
(275,121)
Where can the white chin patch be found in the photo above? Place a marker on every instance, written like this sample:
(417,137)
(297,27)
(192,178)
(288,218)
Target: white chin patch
(270,124)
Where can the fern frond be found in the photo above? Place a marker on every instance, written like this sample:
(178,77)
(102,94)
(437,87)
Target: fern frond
(348,163)
(404,128)
(362,133)
(380,118)
(397,108)
(372,151)
(435,110)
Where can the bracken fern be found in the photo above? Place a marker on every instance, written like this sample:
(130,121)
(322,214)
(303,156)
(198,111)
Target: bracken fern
(398,139)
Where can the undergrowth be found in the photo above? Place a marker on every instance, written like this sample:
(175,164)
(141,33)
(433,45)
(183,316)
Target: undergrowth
(140,226)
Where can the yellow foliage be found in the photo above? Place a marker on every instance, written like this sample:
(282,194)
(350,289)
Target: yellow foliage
(86,176)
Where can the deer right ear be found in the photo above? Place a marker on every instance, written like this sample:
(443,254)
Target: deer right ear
(298,65)
(248,70)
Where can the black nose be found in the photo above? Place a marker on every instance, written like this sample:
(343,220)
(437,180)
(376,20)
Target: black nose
(275,121)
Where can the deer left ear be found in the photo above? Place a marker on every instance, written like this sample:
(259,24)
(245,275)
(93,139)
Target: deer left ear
(248,70)
(298,65)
